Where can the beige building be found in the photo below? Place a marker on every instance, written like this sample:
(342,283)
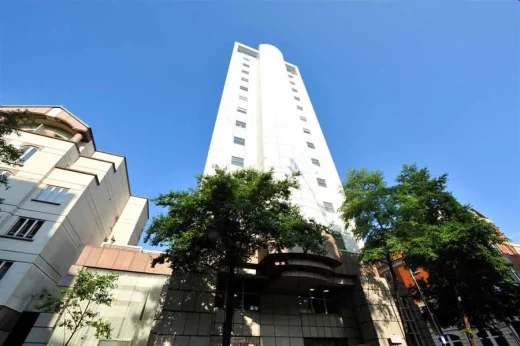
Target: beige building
(64,195)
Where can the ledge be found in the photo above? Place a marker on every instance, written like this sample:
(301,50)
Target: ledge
(38,200)
(13,237)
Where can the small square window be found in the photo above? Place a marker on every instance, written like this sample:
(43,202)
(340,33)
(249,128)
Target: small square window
(237,161)
(244,79)
(242,110)
(321,182)
(296,98)
(310,145)
(292,82)
(295,90)
(245,72)
(303,118)
(239,141)
(243,98)
(316,162)
(243,88)
(307,131)
(245,65)
(241,124)
(328,207)
(300,108)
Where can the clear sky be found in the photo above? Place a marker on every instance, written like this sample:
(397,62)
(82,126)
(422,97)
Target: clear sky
(392,82)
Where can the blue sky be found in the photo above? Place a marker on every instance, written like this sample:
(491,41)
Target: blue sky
(391,82)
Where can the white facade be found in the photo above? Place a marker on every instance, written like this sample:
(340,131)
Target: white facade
(267,95)
(76,195)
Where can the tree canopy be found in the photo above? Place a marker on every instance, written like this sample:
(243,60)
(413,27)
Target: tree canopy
(226,219)
(423,224)
(10,122)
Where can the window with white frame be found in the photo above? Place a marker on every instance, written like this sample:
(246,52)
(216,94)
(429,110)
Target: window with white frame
(245,65)
(246,59)
(290,76)
(310,145)
(307,131)
(292,83)
(509,251)
(316,162)
(243,88)
(52,194)
(242,110)
(294,90)
(300,108)
(303,118)
(241,124)
(243,98)
(237,161)
(296,98)
(27,152)
(4,267)
(321,182)
(244,79)
(239,141)
(328,207)
(245,72)
(4,175)
(25,228)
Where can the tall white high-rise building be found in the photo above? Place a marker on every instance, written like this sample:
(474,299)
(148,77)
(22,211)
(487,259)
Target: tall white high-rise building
(266,120)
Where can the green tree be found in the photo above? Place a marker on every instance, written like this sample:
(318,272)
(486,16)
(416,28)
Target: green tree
(420,222)
(225,220)
(75,304)
(10,122)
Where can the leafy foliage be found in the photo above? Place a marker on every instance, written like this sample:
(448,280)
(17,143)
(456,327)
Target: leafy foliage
(226,219)
(10,122)
(75,303)
(422,223)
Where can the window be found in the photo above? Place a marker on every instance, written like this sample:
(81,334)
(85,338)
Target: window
(310,145)
(237,161)
(244,79)
(318,302)
(303,118)
(295,90)
(296,98)
(243,88)
(300,108)
(246,59)
(242,110)
(245,72)
(515,275)
(307,131)
(292,83)
(4,175)
(53,194)
(316,162)
(509,250)
(290,76)
(241,124)
(328,207)
(340,242)
(27,152)
(321,182)
(239,141)
(243,98)
(25,228)
(245,65)
(4,267)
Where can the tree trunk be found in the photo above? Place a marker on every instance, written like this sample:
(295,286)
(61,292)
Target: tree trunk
(230,307)
(467,326)
(397,298)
